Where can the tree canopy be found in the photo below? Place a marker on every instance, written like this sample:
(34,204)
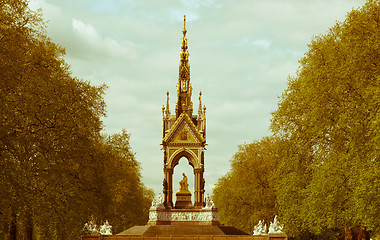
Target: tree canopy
(323,160)
(328,160)
(57,169)
(244,196)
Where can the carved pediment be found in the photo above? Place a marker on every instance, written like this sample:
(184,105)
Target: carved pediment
(183,132)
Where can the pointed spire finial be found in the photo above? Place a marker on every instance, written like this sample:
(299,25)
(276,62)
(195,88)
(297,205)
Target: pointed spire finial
(184,66)
(184,39)
(184,31)
(200,104)
(167,104)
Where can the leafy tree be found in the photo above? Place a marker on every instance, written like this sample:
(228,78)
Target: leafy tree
(55,165)
(50,124)
(130,200)
(244,196)
(327,161)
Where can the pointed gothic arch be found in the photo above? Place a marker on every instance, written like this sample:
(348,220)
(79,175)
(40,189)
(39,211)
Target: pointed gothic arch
(186,153)
(198,169)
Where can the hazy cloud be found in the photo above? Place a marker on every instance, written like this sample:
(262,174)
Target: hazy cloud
(241,53)
(94,45)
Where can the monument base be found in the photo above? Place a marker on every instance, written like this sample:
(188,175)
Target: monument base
(170,230)
(184,233)
(163,216)
(183,200)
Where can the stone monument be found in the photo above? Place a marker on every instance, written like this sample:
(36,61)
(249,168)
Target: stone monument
(184,136)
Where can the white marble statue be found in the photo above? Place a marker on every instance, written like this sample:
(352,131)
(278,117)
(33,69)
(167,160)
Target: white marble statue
(275,226)
(92,228)
(105,229)
(160,199)
(158,202)
(154,203)
(260,228)
(209,203)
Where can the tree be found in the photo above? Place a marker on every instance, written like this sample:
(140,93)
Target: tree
(50,124)
(327,161)
(244,196)
(129,198)
(55,165)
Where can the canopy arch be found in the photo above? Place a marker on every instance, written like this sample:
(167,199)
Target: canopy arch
(183,152)
(194,157)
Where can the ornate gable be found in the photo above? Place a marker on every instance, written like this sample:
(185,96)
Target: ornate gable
(183,132)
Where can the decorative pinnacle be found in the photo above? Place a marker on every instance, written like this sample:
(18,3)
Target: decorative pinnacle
(200,103)
(184,66)
(184,31)
(184,39)
(167,104)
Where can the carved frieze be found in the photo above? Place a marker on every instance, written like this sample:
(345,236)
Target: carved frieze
(170,216)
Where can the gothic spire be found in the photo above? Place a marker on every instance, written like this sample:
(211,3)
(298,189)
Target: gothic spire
(184,68)
(184,89)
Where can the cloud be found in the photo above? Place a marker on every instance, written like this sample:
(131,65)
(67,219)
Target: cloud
(241,53)
(49,10)
(86,30)
(261,43)
(96,45)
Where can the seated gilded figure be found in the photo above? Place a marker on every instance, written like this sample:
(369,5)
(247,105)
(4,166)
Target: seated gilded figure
(183,185)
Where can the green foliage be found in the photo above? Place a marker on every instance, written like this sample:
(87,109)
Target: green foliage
(327,162)
(244,196)
(56,169)
(130,199)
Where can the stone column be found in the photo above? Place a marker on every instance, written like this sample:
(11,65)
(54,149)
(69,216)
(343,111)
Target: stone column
(196,187)
(198,176)
(168,202)
(203,191)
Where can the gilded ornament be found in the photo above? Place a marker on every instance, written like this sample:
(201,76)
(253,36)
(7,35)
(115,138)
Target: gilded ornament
(183,185)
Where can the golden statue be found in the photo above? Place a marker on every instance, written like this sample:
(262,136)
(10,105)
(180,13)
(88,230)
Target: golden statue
(183,185)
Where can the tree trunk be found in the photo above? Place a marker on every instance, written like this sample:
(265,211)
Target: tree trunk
(28,235)
(13,228)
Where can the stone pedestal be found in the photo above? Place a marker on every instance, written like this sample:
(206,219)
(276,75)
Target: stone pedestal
(183,200)
(178,232)
(162,216)
(277,236)
(271,236)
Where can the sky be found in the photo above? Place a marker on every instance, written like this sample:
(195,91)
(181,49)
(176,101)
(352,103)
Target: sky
(241,55)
